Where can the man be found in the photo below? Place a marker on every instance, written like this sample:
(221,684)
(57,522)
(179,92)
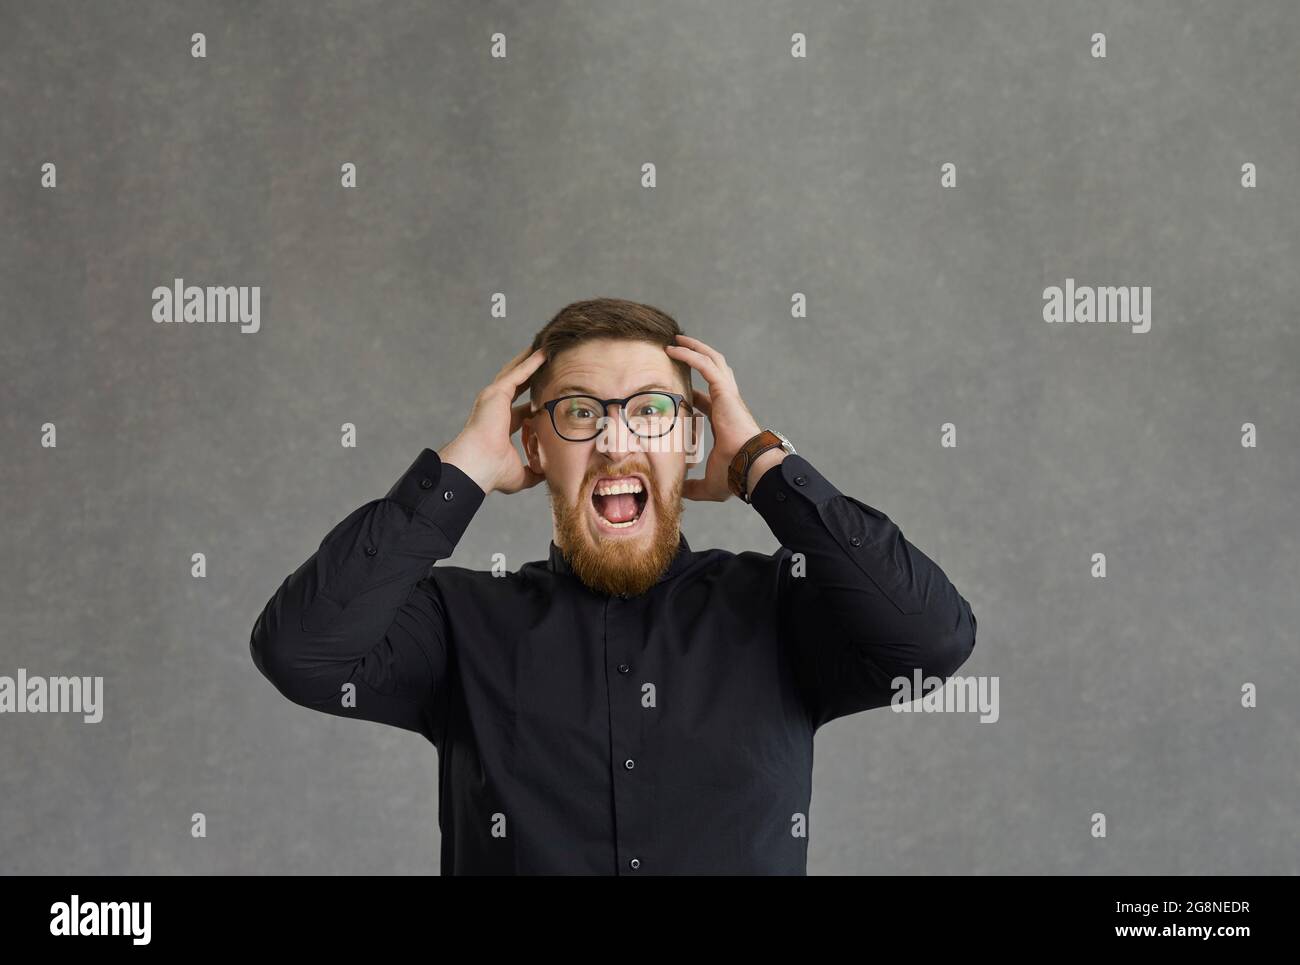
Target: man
(628,705)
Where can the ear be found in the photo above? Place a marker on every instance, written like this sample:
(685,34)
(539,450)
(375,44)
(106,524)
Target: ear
(532,448)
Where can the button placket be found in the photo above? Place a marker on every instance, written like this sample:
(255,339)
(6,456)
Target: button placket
(622,628)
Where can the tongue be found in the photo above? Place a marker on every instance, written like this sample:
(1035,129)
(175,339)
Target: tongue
(618,508)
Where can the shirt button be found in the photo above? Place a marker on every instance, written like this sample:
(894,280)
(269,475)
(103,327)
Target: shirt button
(426,483)
(623,668)
(855,540)
(629,764)
(371,551)
(780,496)
(448,495)
(634,863)
(800,480)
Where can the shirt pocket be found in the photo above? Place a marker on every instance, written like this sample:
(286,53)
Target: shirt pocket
(881,552)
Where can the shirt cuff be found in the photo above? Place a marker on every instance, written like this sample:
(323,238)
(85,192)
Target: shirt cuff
(440,493)
(791,485)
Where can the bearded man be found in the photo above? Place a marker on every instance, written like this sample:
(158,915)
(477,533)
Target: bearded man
(628,705)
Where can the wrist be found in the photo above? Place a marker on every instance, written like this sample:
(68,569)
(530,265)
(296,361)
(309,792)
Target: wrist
(754,458)
(766,461)
(464,461)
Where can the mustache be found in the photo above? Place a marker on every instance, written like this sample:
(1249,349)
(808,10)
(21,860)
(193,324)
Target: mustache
(630,469)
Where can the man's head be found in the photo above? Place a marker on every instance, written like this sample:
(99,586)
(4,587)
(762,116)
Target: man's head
(615,498)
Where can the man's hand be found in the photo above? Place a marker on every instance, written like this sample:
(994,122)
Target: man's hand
(729,418)
(484,449)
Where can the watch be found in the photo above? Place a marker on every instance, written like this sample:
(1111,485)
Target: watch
(738,471)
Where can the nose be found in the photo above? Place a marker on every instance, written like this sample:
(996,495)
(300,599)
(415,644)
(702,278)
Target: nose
(616,436)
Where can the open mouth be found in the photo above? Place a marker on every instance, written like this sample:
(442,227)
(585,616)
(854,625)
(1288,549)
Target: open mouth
(619,501)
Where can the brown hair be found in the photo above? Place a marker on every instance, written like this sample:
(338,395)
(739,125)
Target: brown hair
(580,322)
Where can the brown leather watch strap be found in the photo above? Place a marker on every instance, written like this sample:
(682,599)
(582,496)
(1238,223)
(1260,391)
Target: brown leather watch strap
(738,471)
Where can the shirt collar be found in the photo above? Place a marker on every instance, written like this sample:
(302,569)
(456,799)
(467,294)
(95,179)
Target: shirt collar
(558,564)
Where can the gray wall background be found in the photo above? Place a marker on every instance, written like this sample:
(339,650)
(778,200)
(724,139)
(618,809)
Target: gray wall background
(776,175)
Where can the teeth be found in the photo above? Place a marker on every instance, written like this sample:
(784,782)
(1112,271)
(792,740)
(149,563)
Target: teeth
(630,522)
(624,487)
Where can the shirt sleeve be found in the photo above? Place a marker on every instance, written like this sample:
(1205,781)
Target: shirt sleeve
(859,605)
(362,611)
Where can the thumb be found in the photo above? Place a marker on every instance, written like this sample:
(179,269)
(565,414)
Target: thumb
(697,489)
(523,479)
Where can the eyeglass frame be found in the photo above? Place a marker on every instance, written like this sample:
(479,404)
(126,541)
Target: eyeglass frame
(678,398)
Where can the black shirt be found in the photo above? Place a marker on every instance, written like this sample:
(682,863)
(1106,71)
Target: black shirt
(665,733)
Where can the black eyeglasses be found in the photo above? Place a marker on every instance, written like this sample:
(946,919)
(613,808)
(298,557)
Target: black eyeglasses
(577,418)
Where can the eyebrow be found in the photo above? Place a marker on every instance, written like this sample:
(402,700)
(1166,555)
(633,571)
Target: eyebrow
(563,390)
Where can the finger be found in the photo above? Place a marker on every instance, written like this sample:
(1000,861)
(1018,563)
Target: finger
(699,490)
(703,348)
(709,369)
(516,380)
(520,477)
(526,479)
(701,413)
(518,414)
(523,354)
(526,367)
